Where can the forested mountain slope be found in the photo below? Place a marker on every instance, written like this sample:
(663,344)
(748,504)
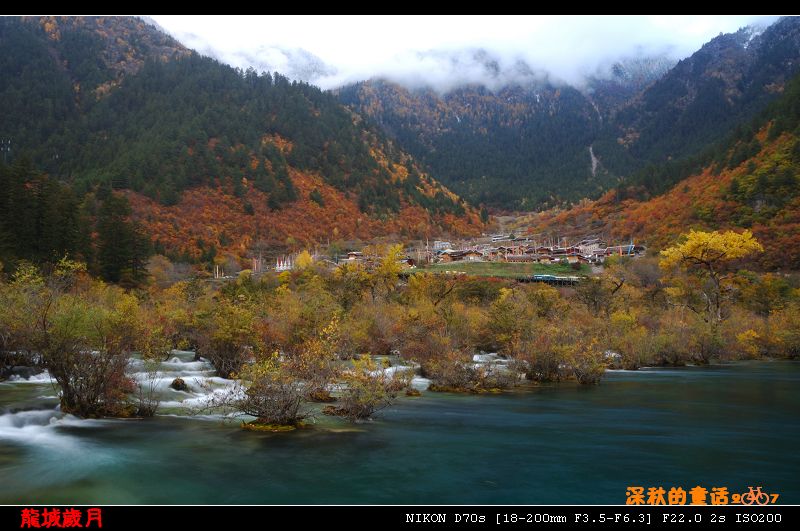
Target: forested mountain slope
(112,102)
(753,183)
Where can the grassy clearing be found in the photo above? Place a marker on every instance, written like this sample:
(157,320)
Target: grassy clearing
(507,269)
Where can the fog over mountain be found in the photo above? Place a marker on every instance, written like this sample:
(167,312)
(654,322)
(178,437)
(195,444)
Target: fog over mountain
(444,52)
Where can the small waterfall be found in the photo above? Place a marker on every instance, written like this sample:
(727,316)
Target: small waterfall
(197,374)
(40,378)
(595,161)
(157,377)
(39,428)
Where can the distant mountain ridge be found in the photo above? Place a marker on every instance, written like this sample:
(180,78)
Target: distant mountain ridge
(501,148)
(703,97)
(517,152)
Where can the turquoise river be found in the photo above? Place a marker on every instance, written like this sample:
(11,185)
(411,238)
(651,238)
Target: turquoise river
(720,426)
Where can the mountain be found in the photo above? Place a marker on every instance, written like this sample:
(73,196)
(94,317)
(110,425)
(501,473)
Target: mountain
(616,84)
(54,68)
(215,160)
(225,157)
(754,183)
(514,147)
(704,97)
(533,143)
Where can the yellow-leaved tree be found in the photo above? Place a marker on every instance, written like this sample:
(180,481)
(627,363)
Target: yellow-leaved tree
(704,259)
(387,271)
(304,260)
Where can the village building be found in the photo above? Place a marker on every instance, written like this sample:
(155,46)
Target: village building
(576,258)
(449,256)
(591,246)
(470,255)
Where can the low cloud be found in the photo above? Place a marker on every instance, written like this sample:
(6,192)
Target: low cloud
(444,52)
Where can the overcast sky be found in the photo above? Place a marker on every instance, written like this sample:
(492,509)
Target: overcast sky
(439,50)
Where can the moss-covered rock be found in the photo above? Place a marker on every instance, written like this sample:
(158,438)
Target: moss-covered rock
(273,428)
(179,385)
(472,390)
